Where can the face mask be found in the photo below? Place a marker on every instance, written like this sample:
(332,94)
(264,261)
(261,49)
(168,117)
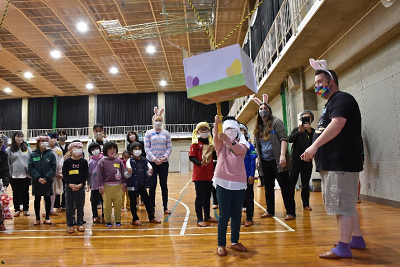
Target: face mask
(112,155)
(264,113)
(44,144)
(98,135)
(62,138)
(137,153)
(322,90)
(204,135)
(157,124)
(96,152)
(132,137)
(19,140)
(77,151)
(232,133)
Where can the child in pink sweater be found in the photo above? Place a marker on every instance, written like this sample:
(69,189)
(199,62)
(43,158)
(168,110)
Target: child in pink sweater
(230,181)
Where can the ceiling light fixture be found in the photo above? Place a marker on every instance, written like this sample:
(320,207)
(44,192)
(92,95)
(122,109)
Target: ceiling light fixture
(114,70)
(89,86)
(163,83)
(82,26)
(7,90)
(55,54)
(28,75)
(151,49)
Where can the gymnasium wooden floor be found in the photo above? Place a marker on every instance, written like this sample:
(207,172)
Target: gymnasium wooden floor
(179,242)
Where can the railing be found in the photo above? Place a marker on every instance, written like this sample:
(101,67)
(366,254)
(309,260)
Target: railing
(284,28)
(112,132)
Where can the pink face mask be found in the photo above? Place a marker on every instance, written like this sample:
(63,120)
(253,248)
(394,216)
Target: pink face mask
(112,154)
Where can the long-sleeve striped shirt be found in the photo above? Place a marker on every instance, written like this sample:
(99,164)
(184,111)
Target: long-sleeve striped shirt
(157,144)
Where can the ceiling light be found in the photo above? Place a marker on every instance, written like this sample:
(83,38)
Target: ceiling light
(55,54)
(150,49)
(28,75)
(89,86)
(163,83)
(82,26)
(7,90)
(114,70)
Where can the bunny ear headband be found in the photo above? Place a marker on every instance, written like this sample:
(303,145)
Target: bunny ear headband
(320,65)
(258,101)
(158,112)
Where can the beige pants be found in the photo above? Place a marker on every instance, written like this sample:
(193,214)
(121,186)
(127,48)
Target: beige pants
(112,195)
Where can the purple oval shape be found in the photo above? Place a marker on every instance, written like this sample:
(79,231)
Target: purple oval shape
(189,81)
(196,81)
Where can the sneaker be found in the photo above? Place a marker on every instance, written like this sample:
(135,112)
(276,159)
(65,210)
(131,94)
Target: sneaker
(70,230)
(81,228)
(26,213)
(108,224)
(17,213)
(96,220)
(118,224)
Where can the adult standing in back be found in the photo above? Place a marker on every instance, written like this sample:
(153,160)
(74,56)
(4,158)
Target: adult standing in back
(158,147)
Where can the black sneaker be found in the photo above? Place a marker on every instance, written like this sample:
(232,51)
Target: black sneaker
(108,224)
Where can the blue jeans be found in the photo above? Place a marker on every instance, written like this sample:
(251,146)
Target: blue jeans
(230,207)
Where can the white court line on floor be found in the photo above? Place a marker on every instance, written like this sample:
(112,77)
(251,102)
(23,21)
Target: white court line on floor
(276,219)
(130,236)
(186,185)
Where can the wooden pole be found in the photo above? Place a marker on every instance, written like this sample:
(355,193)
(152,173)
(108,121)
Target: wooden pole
(219,113)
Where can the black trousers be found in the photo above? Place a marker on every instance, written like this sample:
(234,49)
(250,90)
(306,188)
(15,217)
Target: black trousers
(270,174)
(214,195)
(95,198)
(20,188)
(162,171)
(47,204)
(60,199)
(74,200)
(305,171)
(202,202)
(249,202)
(145,198)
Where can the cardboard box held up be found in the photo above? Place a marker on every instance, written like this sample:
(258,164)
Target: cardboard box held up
(219,75)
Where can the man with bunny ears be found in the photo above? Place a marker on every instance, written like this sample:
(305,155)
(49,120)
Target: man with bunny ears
(338,157)
(158,147)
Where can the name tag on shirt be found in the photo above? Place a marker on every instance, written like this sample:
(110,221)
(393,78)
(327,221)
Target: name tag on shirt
(36,159)
(116,165)
(71,172)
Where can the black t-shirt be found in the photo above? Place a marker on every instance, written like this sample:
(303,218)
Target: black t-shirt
(301,141)
(344,152)
(75,171)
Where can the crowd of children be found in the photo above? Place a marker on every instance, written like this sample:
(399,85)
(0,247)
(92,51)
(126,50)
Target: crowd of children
(60,173)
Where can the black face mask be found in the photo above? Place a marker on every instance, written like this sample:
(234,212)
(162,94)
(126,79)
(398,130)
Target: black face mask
(62,138)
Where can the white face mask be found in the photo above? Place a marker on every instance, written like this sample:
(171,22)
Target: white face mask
(232,133)
(157,124)
(132,137)
(98,135)
(44,144)
(137,153)
(77,151)
(19,140)
(96,152)
(204,135)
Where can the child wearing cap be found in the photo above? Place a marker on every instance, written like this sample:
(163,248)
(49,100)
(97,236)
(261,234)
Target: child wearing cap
(57,179)
(250,165)
(201,155)
(230,181)
(42,168)
(112,182)
(75,173)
